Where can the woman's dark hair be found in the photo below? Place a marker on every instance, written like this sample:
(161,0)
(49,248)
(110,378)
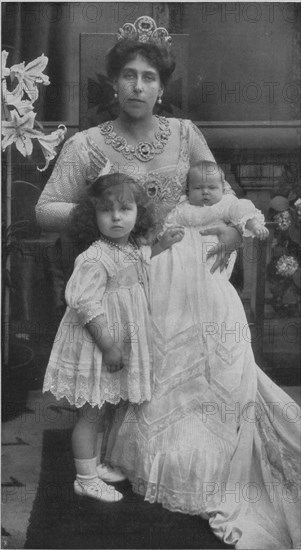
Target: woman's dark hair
(84,230)
(160,57)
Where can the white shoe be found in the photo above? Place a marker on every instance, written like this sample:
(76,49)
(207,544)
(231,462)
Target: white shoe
(109,474)
(96,488)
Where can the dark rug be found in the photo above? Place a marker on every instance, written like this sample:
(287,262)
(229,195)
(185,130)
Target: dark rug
(60,519)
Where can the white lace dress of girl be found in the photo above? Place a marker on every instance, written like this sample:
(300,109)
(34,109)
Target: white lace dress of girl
(107,282)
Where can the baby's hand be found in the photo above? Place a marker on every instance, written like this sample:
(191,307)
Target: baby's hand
(113,359)
(260,231)
(171,236)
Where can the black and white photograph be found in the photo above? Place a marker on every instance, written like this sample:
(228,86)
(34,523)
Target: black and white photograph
(151,209)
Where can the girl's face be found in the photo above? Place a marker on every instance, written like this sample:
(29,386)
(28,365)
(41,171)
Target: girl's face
(116,218)
(138,86)
(204,188)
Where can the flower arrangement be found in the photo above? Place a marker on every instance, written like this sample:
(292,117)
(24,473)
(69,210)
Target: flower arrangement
(20,91)
(283,271)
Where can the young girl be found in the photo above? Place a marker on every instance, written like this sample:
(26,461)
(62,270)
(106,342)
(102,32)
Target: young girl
(102,350)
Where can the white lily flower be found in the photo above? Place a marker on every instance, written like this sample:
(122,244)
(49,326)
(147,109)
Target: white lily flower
(31,75)
(49,143)
(14,101)
(5,71)
(19,130)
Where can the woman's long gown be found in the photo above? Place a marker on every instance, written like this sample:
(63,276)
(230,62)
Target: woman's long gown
(218,438)
(197,447)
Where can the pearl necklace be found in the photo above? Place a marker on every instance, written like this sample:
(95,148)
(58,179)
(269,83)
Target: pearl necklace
(134,251)
(144,150)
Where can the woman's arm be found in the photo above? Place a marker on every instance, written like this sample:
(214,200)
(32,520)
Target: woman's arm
(199,150)
(78,163)
(230,239)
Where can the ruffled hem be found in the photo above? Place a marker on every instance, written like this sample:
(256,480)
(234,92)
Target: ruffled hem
(80,400)
(174,476)
(169,500)
(79,389)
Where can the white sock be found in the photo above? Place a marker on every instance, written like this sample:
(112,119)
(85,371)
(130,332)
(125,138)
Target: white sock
(86,467)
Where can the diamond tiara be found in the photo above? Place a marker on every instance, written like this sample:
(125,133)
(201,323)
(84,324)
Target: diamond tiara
(144,30)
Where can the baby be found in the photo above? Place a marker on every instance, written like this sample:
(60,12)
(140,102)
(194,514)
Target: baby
(209,200)
(206,185)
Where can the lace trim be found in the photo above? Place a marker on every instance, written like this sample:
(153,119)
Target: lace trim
(79,389)
(285,467)
(165,386)
(61,385)
(175,502)
(191,408)
(98,160)
(86,314)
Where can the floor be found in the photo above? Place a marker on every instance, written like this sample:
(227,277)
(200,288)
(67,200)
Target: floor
(22,439)
(28,416)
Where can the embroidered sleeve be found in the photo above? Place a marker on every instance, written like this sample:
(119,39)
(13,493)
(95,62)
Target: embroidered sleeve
(86,286)
(79,162)
(199,150)
(177,216)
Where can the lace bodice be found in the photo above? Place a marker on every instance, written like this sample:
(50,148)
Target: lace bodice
(85,155)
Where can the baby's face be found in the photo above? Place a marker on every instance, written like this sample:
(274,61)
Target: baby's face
(204,189)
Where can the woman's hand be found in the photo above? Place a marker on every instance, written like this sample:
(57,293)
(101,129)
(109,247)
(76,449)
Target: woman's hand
(229,238)
(171,236)
(113,359)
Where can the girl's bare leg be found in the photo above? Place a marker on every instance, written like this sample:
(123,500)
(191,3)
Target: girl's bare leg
(84,434)
(84,443)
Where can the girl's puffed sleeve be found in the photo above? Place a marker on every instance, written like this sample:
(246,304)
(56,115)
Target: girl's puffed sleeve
(86,287)
(79,162)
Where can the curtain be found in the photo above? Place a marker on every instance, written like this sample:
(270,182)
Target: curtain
(30,29)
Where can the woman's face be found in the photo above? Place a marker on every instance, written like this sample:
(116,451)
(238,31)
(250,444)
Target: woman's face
(138,86)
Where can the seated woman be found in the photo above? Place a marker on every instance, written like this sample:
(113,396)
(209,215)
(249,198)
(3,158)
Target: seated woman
(158,153)
(217,434)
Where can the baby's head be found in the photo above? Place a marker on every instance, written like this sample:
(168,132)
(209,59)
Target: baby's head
(205,183)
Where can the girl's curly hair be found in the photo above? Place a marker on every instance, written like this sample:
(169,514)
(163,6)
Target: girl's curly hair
(84,230)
